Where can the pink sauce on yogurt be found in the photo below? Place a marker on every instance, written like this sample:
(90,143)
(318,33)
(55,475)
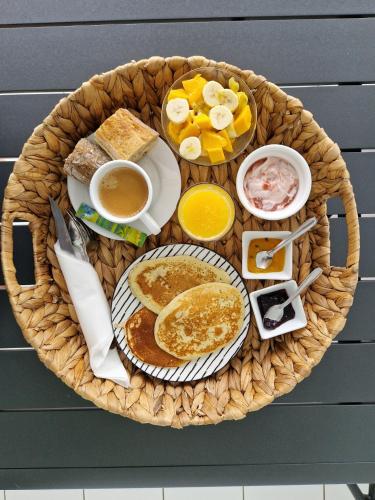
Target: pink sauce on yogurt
(271,183)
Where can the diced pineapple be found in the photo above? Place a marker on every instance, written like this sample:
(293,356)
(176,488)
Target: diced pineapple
(228,144)
(203,121)
(191,129)
(216,155)
(233,84)
(242,101)
(204,109)
(243,121)
(174,130)
(191,116)
(174,93)
(212,140)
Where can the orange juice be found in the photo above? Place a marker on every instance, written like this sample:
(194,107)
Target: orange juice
(206,212)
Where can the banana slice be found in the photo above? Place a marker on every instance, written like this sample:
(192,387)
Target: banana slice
(229,99)
(211,92)
(190,148)
(178,110)
(220,117)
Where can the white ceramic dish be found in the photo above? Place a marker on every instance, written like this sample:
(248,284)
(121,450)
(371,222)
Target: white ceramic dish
(285,274)
(124,304)
(302,169)
(299,321)
(162,167)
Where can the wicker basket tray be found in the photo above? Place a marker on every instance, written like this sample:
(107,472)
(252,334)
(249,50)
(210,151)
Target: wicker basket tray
(263,370)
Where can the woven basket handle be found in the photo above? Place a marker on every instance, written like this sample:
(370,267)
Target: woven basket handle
(352,259)
(38,229)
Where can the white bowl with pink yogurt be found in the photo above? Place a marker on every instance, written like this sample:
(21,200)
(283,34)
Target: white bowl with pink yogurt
(273,182)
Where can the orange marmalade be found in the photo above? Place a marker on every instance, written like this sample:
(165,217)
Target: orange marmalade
(264,244)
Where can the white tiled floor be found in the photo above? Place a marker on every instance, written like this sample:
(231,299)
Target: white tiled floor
(341,491)
(44,495)
(229,493)
(310,492)
(125,494)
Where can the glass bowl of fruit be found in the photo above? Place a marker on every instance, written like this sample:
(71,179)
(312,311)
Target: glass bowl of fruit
(209,116)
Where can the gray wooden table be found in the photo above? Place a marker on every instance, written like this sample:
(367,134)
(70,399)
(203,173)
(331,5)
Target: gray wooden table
(321,51)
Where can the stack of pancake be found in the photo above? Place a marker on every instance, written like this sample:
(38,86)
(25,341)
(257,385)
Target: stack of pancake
(189,310)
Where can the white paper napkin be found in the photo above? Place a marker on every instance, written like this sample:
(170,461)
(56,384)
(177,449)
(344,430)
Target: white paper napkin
(94,316)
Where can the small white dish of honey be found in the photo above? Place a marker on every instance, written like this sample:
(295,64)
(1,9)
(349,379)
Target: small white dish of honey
(281,266)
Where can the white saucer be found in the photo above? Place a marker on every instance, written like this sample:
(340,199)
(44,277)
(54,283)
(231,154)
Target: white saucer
(163,169)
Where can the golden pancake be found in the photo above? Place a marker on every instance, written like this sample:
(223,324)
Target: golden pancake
(156,282)
(200,320)
(141,340)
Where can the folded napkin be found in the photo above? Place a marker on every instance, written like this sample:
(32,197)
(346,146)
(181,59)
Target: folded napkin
(94,316)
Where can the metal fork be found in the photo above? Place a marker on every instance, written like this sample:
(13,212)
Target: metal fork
(80,234)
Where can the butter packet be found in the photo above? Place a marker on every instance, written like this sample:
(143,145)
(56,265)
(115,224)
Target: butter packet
(127,233)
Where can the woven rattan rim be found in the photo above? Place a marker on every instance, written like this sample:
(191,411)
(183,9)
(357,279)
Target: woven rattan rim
(262,370)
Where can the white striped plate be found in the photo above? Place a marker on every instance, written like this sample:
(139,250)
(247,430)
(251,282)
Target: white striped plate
(124,304)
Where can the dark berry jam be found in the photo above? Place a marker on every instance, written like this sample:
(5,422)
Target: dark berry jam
(267,300)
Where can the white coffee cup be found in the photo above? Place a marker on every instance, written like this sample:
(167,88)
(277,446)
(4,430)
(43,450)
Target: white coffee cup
(142,215)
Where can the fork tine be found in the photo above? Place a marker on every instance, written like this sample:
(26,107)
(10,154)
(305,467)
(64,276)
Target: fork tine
(87,232)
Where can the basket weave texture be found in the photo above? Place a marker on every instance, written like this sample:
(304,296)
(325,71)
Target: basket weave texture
(262,370)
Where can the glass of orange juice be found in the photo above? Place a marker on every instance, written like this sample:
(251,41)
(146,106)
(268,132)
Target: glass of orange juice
(206,212)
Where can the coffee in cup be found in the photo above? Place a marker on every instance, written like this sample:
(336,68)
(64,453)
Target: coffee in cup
(121,192)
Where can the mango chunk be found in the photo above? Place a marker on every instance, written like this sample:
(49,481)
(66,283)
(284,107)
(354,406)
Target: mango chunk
(228,144)
(203,121)
(193,88)
(198,82)
(191,129)
(216,155)
(195,98)
(212,140)
(174,93)
(243,121)
(174,130)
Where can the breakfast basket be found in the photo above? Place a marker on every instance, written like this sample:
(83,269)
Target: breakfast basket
(263,369)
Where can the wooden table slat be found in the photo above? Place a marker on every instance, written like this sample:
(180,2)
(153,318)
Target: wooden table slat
(10,333)
(362,174)
(201,475)
(46,11)
(23,256)
(316,50)
(275,435)
(345,112)
(338,230)
(341,377)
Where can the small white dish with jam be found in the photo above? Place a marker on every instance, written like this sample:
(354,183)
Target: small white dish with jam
(281,266)
(293,316)
(273,182)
